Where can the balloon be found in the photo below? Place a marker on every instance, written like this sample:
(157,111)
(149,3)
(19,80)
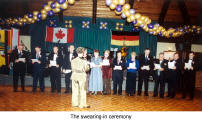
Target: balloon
(112,6)
(126,7)
(39,16)
(132,11)
(64,6)
(47,8)
(35,13)
(30,15)
(135,21)
(118,8)
(61,1)
(150,26)
(108,2)
(137,15)
(52,5)
(56,10)
(29,19)
(115,2)
(122,2)
(44,5)
(132,17)
(49,2)
(50,13)
(24,20)
(43,11)
(71,1)
(57,5)
(123,15)
(127,13)
(43,16)
(118,13)
(35,18)
(129,20)
(33,21)
(142,18)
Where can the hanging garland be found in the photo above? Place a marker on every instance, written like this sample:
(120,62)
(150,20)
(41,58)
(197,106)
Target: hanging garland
(119,6)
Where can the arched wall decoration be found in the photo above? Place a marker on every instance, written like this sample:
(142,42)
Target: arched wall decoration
(120,7)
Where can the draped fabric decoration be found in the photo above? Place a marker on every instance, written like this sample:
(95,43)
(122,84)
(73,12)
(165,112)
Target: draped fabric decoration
(13,38)
(93,37)
(2,36)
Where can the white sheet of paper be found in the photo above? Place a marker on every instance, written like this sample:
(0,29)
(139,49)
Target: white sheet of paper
(105,62)
(188,65)
(21,59)
(157,66)
(171,65)
(117,67)
(52,62)
(68,71)
(34,60)
(145,67)
(92,64)
(132,65)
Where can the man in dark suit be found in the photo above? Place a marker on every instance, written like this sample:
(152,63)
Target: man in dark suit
(69,56)
(174,73)
(159,75)
(189,76)
(38,61)
(19,58)
(119,65)
(146,65)
(55,60)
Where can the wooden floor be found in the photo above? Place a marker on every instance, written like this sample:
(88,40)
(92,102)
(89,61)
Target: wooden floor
(47,101)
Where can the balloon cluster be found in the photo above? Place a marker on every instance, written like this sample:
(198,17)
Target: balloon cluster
(103,25)
(124,9)
(68,23)
(49,9)
(52,23)
(119,26)
(85,24)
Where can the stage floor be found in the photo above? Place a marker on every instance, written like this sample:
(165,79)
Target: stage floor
(47,101)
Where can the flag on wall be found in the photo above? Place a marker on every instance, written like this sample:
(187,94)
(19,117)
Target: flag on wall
(2,36)
(59,35)
(13,38)
(120,38)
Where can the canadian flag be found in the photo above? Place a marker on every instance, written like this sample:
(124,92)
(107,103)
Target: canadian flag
(59,35)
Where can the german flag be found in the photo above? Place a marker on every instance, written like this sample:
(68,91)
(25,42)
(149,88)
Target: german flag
(125,38)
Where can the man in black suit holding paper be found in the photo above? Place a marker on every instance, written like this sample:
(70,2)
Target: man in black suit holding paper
(160,67)
(189,76)
(19,58)
(69,56)
(146,65)
(38,61)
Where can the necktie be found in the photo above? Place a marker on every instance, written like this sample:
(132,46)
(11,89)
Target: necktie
(146,58)
(37,56)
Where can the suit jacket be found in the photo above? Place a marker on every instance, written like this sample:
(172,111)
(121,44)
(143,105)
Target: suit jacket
(20,66)
(67,62)
(122,64)
(59,59)
(164,65)
(143,61)
(42,59)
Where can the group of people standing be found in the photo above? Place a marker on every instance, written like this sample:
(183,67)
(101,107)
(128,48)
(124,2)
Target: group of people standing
(100,70)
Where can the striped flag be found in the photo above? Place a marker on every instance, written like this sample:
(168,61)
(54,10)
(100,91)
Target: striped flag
(125,38)
(13,38)
(2,36)
(59,35)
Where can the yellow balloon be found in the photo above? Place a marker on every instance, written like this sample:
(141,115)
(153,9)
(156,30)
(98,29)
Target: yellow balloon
(122,2)
(132,17)
(139,22)
(29,19)
(20,23)
(127,13)
(128,19)
(49,3)
(16,20)
(112,6)
(71,1)
(118,13)
(115,2)
(142,18)
(56,10)
(64,5)
(47,8)
(21,20)
(126,6)
(35,13)
(26,17)
(35,17)
(137,15)
(24,20)
(43,11)
(57,5)
(43,16)
(33,21)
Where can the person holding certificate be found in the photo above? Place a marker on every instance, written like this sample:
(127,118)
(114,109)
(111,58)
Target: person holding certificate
(118,65)
(146,65)
(95,82)
(106,72)
(160,66)
(55,62)
(19,57)
(132,67)
(69,56)
(174,72)
(38,60)
(189,77)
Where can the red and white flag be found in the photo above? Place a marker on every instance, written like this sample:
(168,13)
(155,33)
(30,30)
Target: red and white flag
(59,35)
(13,38)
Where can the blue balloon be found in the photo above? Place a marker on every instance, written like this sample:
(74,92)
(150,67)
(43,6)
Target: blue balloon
(123,15)
(135,22)
(108,2)
(52,5)
(44,5)
(171,34)
(30,15)
(61,1)
(119,8)
(150,26)
(39,16)
(50,13)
